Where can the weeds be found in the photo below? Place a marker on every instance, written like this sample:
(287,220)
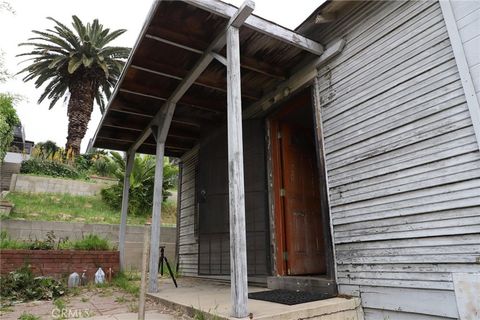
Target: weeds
(22,285)
(28,316)
(126,282)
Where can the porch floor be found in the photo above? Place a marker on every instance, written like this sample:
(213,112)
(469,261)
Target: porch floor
(212,299)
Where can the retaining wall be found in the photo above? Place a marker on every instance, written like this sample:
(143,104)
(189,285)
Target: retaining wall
(60,263)
(38,184)
(31,230)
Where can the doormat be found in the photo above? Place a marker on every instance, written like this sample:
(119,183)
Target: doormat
(288,297)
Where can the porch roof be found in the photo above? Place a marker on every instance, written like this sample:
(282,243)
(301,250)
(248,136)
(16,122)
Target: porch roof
(161,68)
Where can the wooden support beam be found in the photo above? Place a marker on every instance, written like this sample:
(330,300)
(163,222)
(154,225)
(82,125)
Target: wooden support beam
(200,82)
(306,74)
(220,58)
(159,98)
(130,159)
(238,244)
(200,66)
(156,216)
(258,24)
(246,62)
(236,187)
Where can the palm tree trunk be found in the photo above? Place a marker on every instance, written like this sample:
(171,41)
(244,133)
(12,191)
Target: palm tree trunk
(80,107)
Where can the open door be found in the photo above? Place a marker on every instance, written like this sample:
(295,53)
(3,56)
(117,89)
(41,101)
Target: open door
(298,210)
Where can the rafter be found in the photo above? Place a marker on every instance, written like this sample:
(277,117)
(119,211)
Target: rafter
(236,19)
(258,24)
(249,63)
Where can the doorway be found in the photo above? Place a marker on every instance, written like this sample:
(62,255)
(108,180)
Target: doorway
(300,230)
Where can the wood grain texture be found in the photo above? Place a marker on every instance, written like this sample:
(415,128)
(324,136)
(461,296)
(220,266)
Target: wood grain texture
(130,159)
(402,159)
(238,242)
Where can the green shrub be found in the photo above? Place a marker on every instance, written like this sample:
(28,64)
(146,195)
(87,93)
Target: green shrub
(7,243)
(22,285)
(50,168)
(141,184)
(8,121)
(91,242)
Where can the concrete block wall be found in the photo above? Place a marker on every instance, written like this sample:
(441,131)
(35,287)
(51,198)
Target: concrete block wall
(37,184)
(25,230)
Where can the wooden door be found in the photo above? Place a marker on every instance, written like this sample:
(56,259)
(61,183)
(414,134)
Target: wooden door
(301,201)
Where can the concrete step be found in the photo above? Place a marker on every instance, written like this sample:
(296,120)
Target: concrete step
(303,283)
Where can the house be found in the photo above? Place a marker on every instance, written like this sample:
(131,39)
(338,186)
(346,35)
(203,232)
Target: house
(19,150)
(341,157)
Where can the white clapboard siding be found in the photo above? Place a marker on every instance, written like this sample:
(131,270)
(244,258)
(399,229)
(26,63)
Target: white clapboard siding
(402,159)
(188,242)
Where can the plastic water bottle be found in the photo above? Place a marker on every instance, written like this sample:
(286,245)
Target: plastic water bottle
(99,276)
(73,280)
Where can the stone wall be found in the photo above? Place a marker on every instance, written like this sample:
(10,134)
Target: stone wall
(60,263)
(25,230)
(38,184)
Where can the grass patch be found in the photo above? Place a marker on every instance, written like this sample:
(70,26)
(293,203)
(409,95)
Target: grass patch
(128,282)
(86,209)
(28,316)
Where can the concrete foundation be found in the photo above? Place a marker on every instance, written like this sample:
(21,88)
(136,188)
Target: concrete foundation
(212,300)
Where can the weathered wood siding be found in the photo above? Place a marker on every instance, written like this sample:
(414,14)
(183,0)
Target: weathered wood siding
(402,160)
(188,237)
(467,16)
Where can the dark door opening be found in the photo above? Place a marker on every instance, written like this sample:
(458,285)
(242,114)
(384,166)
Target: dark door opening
(299,230)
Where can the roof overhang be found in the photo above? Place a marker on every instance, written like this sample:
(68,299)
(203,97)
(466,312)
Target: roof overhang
(162,68)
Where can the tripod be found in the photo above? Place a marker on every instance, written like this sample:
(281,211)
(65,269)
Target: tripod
(163,258)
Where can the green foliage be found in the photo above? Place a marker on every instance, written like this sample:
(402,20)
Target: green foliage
(62,56)
(89,242)
(141,183)
(50,168)
(7,243)
(127,282)
(22,285)
(8,121)
(28,316)
(66,207)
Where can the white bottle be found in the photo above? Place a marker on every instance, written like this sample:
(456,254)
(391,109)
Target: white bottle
(73,280)
(99,276)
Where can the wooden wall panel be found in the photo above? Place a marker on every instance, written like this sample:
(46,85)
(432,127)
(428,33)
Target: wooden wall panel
(188,238)
(402,159)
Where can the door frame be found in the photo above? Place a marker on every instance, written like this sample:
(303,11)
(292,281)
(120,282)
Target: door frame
(277,219)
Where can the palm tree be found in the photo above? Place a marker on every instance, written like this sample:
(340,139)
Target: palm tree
(77,65)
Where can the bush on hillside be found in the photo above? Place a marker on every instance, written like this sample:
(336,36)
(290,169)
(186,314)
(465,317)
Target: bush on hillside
(50,168)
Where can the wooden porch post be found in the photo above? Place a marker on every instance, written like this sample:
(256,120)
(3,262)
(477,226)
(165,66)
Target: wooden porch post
(238,247)
(130,158)
(160,133)
(156,217)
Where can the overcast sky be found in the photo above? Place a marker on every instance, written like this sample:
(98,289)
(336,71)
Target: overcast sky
(42,124)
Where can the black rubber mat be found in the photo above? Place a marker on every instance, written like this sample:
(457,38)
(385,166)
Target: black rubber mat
(287,297)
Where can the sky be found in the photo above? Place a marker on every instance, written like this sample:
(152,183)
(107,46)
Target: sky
(41,124)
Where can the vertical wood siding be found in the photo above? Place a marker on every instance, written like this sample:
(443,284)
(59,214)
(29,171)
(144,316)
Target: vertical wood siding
(188,238)
(402,160)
